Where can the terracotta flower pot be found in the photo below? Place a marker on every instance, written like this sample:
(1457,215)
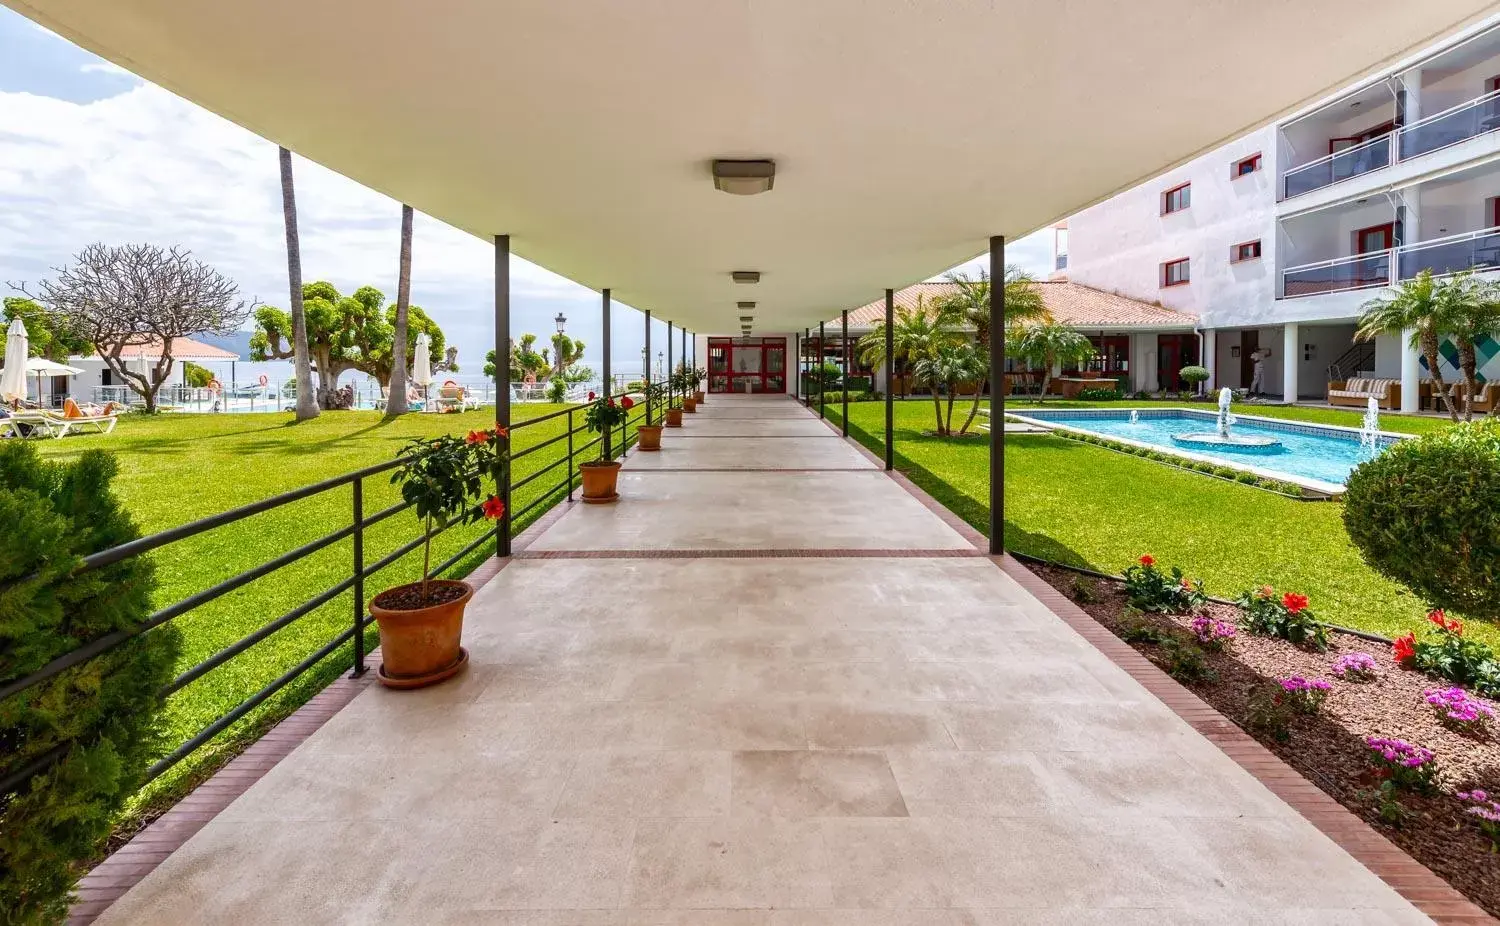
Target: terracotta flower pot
(689,405)
(698,396)
(599,481)
(674,417)
(650,437)
(419,646)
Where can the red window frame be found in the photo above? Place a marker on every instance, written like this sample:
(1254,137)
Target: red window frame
(1386,228)
(1187,200)
(1239,166)
(1237,256)
(1166,272)
(1494,210)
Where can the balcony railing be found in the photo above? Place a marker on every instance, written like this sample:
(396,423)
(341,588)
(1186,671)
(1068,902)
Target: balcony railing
(1362,271)
(1467,120)
(1341,165)
(1476,250)
(1451,126)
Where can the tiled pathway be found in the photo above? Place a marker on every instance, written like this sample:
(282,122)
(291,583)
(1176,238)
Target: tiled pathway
(767,688)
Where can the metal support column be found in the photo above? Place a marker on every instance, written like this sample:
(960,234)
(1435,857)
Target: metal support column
(806,366)
(669,365)
(359,579)
(890,379)
(646,372)
(608,382)
(502,375)
(818,372)
(997,395)
(846,371)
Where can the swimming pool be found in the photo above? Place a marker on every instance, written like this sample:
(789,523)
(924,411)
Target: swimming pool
(1319,456)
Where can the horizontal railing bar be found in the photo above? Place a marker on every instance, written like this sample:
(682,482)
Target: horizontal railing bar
(470,547)
(173,534)
(518,454)
(540,418)
(541,498)
(244,643)
(35,767)
(250,703)
(545,469)
(1450,239)
(1336,261)
(1381,139)
(1490,97)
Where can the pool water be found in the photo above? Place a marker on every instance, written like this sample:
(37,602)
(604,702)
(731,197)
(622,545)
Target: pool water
(1306,451)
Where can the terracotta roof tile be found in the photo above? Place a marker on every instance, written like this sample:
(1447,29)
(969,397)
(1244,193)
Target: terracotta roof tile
(1070,303)
(182,349)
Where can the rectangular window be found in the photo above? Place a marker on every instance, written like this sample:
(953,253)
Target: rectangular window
(1248,166)
(1249,250)
(1174,272)
(1176,199)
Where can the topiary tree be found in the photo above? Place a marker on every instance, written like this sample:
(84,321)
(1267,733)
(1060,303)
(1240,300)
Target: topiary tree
(1426,513)
(100,715)
(1194,376)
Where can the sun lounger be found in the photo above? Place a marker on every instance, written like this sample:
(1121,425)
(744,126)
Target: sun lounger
(30,423)
(453,398)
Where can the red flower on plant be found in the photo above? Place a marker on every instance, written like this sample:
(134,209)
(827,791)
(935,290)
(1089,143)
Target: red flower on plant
(1443,621)
(493,508)
(627,403)
(502,433)
(1187,583)
(1148,560)
(477,437)
(1404,650)
(591,397)
(610,402)
(1266,591)
(1294,602)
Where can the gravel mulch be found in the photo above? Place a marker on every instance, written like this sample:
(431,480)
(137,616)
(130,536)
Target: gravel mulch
(1328,748)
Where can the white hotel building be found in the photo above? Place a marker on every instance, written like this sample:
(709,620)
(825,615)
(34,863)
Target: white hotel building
(1275,240)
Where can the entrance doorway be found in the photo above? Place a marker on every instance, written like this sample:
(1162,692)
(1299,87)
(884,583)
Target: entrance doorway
(1249,344)
(747,365)
(1173,352)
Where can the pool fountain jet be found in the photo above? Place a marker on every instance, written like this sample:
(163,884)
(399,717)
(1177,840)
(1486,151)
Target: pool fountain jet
(1222,439)
(1135,417)
(1369,431)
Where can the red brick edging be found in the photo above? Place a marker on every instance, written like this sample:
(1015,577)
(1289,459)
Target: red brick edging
(1405,875)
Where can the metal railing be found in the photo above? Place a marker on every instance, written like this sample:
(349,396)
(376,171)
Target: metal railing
(1340,165)
(617,442)
(1457,123)
(1476,250)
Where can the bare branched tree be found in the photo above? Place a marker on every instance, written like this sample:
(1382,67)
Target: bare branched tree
(141,296)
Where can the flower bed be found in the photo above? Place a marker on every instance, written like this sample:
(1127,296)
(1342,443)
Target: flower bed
(1337,737)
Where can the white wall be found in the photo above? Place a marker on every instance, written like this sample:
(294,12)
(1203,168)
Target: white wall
(1443,88)
(1119,245)
(1320,346)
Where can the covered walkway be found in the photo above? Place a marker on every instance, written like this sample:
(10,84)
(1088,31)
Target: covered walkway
(767,688)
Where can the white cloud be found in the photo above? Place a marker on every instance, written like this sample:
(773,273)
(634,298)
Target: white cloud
(106,67)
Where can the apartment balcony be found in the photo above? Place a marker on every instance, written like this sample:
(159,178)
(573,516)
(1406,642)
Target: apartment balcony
(1444,101)
(1478,251)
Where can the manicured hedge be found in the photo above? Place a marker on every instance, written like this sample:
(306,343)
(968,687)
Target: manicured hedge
(103,711)
(1426,513)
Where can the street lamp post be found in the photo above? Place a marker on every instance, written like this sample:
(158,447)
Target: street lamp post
(562,324)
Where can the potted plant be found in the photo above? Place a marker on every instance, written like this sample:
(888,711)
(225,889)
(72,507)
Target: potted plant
(604,415)
(684,383)
(421,623)
(650,434)
(700,376)
(674,410)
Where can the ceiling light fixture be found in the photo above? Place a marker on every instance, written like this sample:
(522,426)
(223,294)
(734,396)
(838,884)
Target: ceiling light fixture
(745,305)
(747,318)
(744,178)
(745,276)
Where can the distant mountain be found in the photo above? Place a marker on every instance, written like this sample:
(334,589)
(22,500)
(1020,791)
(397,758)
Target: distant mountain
(237,342)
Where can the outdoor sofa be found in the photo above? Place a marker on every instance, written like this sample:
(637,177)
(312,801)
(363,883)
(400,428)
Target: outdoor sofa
(1357,392)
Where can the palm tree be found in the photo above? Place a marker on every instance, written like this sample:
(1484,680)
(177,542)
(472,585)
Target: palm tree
(949,367)
(971,299)
(1048,345)
(917,333)
(395,403)
(307,405)
(1471,311)
(1416,305)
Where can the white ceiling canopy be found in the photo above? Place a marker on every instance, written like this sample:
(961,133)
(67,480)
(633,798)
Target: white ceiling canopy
(904,133)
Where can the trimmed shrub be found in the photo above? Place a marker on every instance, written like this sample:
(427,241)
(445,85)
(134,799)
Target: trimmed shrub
(1093,394)
(1193,375)
(103,711)
(1426,513)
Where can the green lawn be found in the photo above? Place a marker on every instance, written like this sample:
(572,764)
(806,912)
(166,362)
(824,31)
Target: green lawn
(175,468)
(1086,506)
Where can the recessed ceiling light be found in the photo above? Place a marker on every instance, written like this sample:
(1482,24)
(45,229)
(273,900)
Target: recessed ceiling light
(744,178)
(745,305)
(745,276)
(747,318)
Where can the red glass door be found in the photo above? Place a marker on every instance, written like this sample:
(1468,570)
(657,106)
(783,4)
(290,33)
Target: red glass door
(747,365)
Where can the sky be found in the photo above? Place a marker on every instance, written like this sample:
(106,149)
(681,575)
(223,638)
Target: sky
(89,152)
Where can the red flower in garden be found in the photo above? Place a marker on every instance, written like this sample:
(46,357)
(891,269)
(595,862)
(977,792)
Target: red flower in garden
(591,397)
(1266,591)
(627,403)
(1294,602)
(1148,560)
(610,402)
(477,437)
(502,433)
(1442,620)
(1187,583)
(493,508)
(1404,650)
